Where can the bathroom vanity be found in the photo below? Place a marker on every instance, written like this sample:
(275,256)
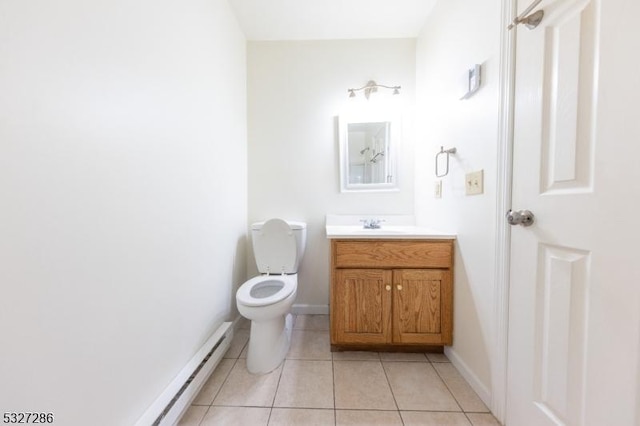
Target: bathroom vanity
(391,289)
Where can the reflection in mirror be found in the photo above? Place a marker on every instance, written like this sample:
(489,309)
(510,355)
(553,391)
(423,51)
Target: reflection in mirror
(368,144)
(367,155)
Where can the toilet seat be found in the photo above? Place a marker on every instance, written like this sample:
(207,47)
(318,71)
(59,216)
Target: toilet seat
(274,246)
(265,290)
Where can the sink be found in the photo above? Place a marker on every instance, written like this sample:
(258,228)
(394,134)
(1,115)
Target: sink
(384,230)
(380,231)
(391,231)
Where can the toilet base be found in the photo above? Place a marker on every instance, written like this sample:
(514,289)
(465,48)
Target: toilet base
(269,343)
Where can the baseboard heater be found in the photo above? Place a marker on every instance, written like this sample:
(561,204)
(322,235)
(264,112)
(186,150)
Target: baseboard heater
(176,398)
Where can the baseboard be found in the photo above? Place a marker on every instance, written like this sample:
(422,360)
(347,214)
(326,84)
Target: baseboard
(300,309)
(174,401)
(475,383)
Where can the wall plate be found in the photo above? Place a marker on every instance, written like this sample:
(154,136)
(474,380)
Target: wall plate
(474,183)
(472,80)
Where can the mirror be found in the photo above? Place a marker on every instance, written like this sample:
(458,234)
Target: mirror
(367,153)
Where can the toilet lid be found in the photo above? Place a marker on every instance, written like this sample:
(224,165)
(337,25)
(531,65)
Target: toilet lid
(275,247)
(265,290)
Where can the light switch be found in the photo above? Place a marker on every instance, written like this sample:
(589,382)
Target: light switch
(474,183)
(437,190)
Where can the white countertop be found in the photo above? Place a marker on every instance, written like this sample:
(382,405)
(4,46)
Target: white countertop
(386,232)
(391,227)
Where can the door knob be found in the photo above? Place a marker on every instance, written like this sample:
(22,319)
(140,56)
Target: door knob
(388,288)
(399,287)
(520,217)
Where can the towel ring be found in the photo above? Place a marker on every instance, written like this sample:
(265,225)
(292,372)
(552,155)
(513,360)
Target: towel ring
(448,152)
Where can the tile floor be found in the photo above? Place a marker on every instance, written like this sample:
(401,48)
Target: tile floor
(317,387)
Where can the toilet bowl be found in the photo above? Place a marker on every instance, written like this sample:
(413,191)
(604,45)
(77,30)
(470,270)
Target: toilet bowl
(267,299)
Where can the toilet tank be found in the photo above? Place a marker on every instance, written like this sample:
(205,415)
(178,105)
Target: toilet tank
(279,245)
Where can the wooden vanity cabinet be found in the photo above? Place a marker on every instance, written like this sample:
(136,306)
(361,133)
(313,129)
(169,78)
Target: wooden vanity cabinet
(391,293)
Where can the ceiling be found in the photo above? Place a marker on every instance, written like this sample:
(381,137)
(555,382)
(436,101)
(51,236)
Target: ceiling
(331,19)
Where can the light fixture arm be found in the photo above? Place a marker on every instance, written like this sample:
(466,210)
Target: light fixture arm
(372,87)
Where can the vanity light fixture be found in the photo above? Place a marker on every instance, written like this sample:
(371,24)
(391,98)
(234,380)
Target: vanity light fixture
(372,87)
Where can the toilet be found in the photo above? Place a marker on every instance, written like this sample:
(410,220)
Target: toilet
(266,300)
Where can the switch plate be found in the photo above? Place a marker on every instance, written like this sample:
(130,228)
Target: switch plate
(437,189)
(474,183)
(471,81)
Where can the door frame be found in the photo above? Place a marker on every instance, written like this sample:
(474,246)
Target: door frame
(504,179)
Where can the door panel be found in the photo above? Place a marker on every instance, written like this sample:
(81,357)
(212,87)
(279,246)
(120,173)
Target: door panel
(569,52)
(421,302)
(561,331)
(363,305)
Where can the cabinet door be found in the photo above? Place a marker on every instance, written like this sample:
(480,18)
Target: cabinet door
(361,308)
(422,306)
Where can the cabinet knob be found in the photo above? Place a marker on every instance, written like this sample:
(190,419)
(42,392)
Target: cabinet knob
(388,287)
(399,287)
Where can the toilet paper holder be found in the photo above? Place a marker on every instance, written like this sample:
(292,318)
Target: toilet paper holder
(446,152)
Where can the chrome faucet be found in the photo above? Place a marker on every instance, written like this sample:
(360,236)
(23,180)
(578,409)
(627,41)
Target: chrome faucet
(371,223)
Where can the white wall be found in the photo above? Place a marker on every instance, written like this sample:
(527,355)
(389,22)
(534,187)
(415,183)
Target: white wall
(296,91)
(457,35)
(122,198)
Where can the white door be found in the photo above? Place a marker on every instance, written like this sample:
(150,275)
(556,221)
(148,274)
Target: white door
(574,309)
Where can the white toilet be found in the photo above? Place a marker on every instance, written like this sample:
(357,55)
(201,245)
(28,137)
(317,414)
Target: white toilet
(266,300)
